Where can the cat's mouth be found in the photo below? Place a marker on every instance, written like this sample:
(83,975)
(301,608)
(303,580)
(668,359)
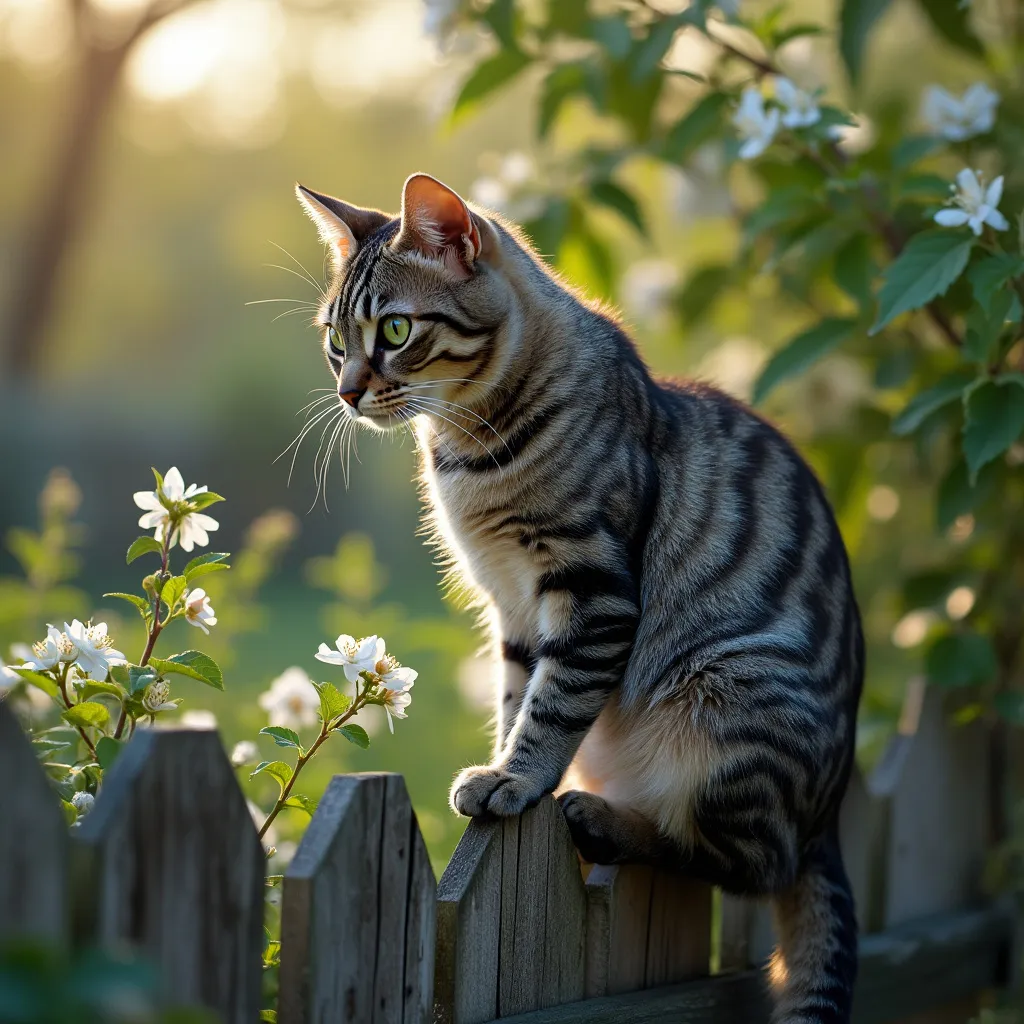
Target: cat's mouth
(386,416)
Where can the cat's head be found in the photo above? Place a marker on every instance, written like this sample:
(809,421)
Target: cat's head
(415,313)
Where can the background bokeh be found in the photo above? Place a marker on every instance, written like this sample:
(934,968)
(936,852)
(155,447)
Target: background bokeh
(162,225)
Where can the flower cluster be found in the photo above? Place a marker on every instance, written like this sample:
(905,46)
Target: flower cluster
(758,124)
(959,118)
(85,645)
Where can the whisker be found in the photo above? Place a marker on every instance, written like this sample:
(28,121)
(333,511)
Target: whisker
(316,401)
(309,277)
(433,430)
(261,302)
(452,406)
(434,412)
(301,277)
(457,380)
(326,464)
(302,432)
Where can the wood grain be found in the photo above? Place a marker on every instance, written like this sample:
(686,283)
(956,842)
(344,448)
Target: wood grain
(177,870)
(357,915)
(33,842)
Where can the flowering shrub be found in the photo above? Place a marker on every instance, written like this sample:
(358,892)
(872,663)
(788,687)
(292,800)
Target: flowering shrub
(103,696)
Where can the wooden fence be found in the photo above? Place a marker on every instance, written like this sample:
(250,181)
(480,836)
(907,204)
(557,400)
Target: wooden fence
(168,861)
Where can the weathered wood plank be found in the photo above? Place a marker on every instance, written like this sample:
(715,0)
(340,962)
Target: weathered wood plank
(511,907)
(468,928)
(618,920)
(33,842)
(679,939)
(910,969)
(933,774)
(357,913)
(179,870)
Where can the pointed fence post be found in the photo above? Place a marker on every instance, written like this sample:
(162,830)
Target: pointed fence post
(358,911)
(33,842)
(178,870)
(511,920)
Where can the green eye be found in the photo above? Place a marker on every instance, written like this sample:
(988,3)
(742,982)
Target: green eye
(335,341)
(396,330)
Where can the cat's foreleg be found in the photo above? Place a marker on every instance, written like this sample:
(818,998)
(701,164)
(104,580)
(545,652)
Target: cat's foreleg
(517,663)
(588,621)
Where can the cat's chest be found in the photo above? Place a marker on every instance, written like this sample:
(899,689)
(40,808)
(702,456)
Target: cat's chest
(488,538)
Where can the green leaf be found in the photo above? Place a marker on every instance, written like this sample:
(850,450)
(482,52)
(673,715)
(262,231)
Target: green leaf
(280,770)
(961,659)
(923,404)
(856,19)
(501,16)
(613,34)
(926,268)
(950,18)
(140,602)
(985,326)
(989,275)
(107,750)
(121,674)
(139,677)
(281,736)
(701,291)
(200,501)
(332,702)
(70,812)
(38,680)
(269,1015)
(855,269)
(141,546)
(158,476)
(92,688)
(700,125)
(303,802)
(957,496)
(783,205)
(994,420)
(1009,706)
(489,75)
(607,193)
(908,151)
(193,664)
(203,570)
(782,36)
(648,53)
(355,734)
(89,712)
(209,558)
(802,352)
(172,590)
(564,81)
(924,187)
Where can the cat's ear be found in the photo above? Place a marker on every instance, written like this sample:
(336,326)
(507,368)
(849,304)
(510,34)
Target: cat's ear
(437,223)
(341,227)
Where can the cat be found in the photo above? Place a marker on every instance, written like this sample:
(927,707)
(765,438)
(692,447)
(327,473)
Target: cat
(661,571)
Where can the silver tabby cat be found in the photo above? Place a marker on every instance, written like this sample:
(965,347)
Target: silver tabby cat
(681,650)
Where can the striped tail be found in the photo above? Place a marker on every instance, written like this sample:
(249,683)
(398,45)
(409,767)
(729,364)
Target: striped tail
(813,970)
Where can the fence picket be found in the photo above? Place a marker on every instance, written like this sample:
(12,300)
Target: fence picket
(33,842)
(178,870)
(357,915)
(531,938)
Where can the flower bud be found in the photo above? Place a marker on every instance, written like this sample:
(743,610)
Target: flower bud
(155,696)
(149,584)
(82,802)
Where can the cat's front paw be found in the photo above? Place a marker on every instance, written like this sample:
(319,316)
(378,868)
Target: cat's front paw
(484,790)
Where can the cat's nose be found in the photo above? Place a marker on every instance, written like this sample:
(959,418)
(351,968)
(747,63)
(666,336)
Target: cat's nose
(353,396)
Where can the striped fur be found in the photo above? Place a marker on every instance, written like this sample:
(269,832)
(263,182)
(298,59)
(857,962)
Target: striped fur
(668,593)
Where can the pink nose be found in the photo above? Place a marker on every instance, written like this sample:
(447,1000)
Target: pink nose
(352,397)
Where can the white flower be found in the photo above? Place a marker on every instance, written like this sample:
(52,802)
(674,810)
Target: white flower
(55,648)
(198,610)
(801,108)
(244,752)
(977,204)
(82,802)
(94,649)
(395,703)
(292,700)
(393,676)
(8,677)
(961,118)
(353,655)
(155,697)
(756,126)
(193,527)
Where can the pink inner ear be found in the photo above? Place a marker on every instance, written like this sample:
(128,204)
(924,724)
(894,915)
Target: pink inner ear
(436,214)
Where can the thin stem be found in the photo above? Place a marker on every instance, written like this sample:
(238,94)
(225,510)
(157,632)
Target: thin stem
(62,682)
(325,730)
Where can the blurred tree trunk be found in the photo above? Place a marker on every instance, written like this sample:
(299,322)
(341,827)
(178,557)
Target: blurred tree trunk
(58,214)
